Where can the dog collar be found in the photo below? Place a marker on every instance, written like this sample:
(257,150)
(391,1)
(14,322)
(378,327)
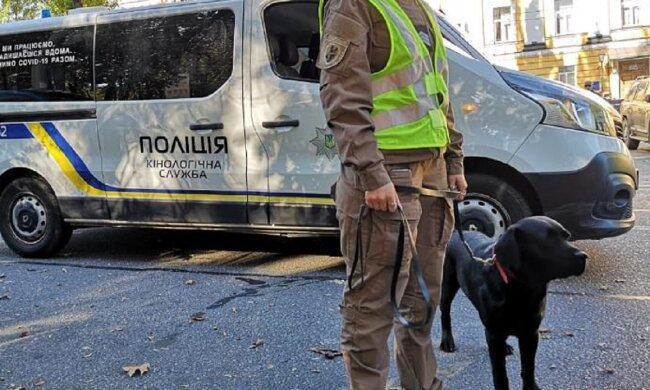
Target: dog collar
(501,269)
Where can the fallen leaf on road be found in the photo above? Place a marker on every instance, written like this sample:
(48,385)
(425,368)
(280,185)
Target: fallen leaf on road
(4,297)
(553,367)
(117,329)
(41,382)
(136,369)
(315,370)
(200,316)
(190,282)
(24,334)
(257,343)
(327,352)
(603,288)
(608,370)
(544,331)
(569,334)
(64,270)
(2,276)
(620,281)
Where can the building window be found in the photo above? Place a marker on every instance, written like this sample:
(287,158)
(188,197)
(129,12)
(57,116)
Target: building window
(567,75)
(563,16)
(631,11)
(503,26)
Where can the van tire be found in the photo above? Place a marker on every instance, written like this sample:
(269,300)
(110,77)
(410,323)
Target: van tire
(43,232)
(496,196)
(631,143)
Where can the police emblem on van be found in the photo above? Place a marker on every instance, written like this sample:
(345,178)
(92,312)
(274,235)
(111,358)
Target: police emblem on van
(325,143)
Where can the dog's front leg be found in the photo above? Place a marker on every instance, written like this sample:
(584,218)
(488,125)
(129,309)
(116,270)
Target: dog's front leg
(496,346)
(528,349)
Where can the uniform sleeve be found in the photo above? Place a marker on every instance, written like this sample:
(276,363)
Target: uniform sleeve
(346,91)
(454,153)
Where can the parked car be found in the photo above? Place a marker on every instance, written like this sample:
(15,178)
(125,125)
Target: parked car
(636,114)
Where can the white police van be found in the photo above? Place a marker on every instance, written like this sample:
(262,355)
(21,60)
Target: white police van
(206,115)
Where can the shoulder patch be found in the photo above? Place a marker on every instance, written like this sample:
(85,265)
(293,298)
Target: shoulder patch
(332,51)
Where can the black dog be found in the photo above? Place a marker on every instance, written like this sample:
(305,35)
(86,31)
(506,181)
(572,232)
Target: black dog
(509,291)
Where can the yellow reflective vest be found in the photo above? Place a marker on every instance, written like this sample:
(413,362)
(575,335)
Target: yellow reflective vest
(409,95)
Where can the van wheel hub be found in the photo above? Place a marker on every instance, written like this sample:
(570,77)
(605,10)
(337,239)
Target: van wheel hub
(486,215)
(29,218)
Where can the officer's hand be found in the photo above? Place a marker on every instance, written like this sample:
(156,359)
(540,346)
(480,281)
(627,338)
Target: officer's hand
(458,183)
(383,198)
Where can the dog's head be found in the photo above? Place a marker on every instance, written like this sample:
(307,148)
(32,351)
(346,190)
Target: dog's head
(536,250)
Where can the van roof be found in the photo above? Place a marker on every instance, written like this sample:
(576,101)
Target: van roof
(84,18)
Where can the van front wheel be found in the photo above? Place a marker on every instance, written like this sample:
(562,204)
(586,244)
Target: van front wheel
(491,205)
(30,220)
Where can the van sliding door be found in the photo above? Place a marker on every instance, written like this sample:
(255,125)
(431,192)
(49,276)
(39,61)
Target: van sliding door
(288,117)
(169,89)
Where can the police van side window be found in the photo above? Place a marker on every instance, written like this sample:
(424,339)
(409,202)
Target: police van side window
(174,57)
(47,65)
(293,39)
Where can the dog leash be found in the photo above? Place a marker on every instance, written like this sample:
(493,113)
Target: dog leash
(458,225)
(404,231)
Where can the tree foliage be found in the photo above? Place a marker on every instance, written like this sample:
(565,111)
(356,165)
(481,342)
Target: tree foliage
(12,10)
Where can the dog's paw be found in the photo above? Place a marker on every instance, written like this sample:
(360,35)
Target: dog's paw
(508,349)
(447,345)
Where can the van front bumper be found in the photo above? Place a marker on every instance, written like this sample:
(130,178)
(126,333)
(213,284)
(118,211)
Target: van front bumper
(593,202)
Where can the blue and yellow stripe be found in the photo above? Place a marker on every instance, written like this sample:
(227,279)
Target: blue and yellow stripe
(77,172)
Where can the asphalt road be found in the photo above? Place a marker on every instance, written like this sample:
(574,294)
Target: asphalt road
(224,311)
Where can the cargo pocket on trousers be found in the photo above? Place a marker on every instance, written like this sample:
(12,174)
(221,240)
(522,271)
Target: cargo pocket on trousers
(443,221)
(386,225)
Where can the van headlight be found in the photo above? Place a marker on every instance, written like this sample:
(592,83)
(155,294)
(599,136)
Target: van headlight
(574,113)
(564,105)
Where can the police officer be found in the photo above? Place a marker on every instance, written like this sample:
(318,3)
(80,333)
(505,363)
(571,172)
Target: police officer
(385,97)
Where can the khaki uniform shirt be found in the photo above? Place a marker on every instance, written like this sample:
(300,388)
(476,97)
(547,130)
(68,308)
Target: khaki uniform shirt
(364,46)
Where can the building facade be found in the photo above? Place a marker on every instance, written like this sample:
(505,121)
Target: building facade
(603,42)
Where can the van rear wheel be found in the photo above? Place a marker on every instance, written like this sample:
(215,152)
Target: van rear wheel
(491,205)
(30,219)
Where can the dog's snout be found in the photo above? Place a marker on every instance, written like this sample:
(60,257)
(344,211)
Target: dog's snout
(581,263)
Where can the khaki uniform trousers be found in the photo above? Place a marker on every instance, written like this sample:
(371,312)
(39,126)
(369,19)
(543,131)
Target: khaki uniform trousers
(367,317)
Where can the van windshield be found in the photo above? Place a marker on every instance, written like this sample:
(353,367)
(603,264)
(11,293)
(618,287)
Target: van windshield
(457,41)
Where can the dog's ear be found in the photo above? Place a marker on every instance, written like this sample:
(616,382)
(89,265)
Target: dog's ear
(508,248)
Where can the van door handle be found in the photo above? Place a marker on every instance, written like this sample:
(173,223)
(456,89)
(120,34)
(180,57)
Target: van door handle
(206,126)
(276,124)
